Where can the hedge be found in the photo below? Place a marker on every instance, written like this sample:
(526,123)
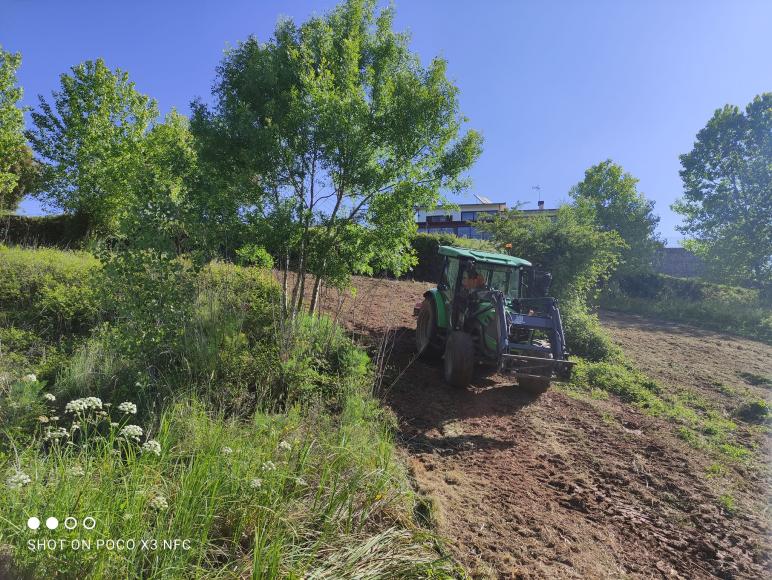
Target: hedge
(60,231)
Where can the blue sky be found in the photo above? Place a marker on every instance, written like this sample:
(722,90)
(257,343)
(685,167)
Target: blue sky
(554,86)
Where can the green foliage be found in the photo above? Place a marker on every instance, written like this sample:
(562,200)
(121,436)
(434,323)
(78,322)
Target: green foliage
(622,380)
(13,151)
(610,194)
(584,335)
(428,262)
(254,255)
(727,200)
(337,130)
(755,411)
(571,246)
(61,231)
(48,290)
(724,308)
(90,138)
(236,491)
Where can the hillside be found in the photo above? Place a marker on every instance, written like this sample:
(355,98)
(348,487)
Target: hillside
(572,485)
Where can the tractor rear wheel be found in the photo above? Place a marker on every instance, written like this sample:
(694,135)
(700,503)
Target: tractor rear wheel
(459,359)
(426,338)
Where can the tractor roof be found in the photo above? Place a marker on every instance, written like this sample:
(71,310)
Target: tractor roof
(484,257)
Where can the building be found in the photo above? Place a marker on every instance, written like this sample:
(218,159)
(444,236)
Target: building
(461,221)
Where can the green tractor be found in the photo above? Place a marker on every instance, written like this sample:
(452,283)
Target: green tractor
(492,309)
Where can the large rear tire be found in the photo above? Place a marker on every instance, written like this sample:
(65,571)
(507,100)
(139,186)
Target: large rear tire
(426,333)
(459,359)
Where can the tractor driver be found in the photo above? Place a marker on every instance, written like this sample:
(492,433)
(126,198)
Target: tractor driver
(472,280)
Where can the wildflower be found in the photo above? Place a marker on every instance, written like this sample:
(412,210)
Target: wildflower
(113,424)
(55,434)
(269,466)
(18,480)
(76,470)
(128,408)
(43,419)
(300,481)
(81,405)
(75,426)
(227,451)
(158,502)
(54,418)
(284,445)
(256,483)
(152,446)
(49,397)
(132,432)
(30,378)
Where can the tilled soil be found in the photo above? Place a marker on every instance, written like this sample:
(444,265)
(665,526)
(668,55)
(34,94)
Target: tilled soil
(558,486)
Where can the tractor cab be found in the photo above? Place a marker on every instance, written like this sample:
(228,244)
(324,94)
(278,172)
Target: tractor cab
(492,308)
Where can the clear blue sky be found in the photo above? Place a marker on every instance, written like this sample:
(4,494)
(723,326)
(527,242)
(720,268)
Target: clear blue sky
(553,86)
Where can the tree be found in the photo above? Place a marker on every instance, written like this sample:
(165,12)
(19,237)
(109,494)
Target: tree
(338,118)
(579,254)
(91,140)
(13,149)
(611,195)
(727,202)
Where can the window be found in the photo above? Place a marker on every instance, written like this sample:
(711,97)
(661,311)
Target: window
(468,216)
(449,275)
(465,232)
(433,219)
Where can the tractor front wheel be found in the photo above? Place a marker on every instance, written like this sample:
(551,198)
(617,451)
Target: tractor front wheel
(426,330)
(459,359)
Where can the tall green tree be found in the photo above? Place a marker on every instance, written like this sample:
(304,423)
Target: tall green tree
(727,201)
(12,143)
(612,197)
(90,138)
(339,118)
(571,245)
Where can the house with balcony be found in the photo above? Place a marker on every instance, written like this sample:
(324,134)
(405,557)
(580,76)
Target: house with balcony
(462,220)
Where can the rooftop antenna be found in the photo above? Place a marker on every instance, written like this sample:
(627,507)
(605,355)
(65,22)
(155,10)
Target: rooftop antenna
(537,188)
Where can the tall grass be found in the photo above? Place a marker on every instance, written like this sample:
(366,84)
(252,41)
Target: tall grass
(274,459)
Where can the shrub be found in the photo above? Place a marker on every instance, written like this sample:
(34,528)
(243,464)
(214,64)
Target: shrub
(254,255)
(584,335)
(62,231)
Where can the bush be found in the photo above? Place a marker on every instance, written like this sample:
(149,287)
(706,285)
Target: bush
(584,335)
(253,255)
(62,231)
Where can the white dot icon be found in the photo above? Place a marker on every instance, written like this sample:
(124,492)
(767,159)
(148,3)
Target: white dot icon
(52,523)
(33,523)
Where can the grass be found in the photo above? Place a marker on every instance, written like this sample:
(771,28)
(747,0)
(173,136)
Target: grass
(697,421)
(726,309)
(274,459)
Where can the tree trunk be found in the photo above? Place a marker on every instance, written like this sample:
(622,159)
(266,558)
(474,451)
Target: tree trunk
(315,295)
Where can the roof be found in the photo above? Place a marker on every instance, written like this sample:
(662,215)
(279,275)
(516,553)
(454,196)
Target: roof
(480,256)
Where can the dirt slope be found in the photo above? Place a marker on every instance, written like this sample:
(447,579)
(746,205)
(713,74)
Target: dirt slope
(527,487)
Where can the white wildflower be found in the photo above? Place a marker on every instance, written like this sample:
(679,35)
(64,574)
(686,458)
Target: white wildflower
(49,397)
(152,446)
(158,502)
(75,426)
(18,480)
(269,466)
(284,445)
(256,483)
(113,424)
(76,470)
(54,418)
(43,419)
(81,405)
(56,433)
(30,378)
(300,481)
(227,451)
(128,408)
(132,432)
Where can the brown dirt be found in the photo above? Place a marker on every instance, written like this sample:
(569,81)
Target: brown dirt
(561,486)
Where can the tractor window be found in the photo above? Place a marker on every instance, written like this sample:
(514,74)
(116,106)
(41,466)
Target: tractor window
(505,281)
(449,275)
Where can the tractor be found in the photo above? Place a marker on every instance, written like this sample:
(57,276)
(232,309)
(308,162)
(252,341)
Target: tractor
(492,309)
